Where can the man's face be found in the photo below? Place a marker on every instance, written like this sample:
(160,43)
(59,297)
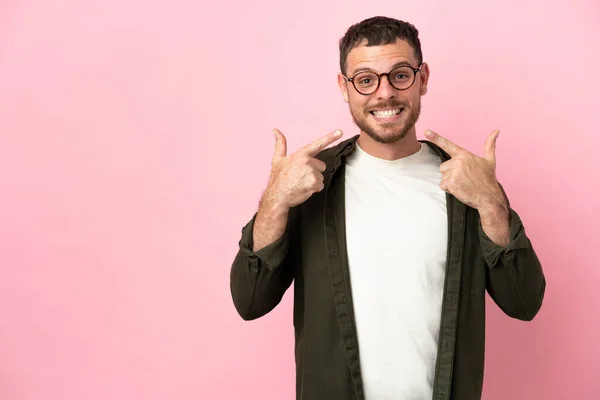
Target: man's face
(388,114)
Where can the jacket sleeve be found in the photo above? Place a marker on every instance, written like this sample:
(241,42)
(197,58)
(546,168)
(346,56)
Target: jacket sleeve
(515,280)
(258,280)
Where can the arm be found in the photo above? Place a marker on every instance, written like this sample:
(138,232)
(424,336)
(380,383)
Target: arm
(269,252)
(515,280)
(264,266)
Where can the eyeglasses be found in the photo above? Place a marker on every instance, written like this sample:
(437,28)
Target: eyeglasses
(401,78)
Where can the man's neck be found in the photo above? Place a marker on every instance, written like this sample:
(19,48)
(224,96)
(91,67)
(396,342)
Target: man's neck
(408,146)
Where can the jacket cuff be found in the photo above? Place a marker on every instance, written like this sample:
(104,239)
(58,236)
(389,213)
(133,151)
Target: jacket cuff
(271,255)
(493,253)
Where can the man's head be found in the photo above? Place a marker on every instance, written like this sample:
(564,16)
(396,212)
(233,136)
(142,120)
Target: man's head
(385,107)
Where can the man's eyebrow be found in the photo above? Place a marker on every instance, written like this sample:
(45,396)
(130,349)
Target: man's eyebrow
(398,64)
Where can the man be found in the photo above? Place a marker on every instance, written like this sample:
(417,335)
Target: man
(391,242)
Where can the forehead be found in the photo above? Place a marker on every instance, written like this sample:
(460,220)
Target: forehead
(380,58)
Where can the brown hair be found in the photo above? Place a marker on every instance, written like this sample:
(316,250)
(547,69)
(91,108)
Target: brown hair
(379,31)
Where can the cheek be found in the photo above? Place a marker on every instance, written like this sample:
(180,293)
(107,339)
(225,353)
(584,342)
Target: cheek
(413,98)
(358,103)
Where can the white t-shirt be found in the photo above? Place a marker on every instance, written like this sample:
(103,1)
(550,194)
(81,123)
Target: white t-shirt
(397,234)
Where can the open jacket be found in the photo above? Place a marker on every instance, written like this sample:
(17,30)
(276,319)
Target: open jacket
(312,253)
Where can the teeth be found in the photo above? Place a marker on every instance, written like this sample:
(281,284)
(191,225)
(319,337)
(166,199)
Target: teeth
(386,113)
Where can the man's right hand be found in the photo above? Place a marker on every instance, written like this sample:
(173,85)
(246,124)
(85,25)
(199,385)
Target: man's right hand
(296,176)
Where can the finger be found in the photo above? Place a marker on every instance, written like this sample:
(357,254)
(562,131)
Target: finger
(449,147)
(490,146)
(445,184)
(318,165)
(319,183)
(319,144)
(448,165)
(446,175)
(280,144)
(315,181)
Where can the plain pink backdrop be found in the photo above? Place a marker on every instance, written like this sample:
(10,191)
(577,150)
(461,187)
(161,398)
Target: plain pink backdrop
(135,141)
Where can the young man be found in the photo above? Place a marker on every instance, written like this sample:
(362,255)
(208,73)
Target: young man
(391,242)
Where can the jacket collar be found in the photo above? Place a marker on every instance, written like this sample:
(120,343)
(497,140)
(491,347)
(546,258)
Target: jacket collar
(343,149)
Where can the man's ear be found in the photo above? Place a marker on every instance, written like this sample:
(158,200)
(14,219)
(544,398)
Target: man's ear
(343,86)
(425,72)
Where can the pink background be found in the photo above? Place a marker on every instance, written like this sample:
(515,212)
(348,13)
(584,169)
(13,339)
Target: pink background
(135,141)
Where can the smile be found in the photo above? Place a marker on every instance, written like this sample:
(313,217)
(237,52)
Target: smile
(386,113)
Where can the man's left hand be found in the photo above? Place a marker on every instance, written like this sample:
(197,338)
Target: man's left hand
(470,178)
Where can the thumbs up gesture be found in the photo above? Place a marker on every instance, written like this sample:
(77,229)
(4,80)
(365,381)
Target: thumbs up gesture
(296,176)
(470,178)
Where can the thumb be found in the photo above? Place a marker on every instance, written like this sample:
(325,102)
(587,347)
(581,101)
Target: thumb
(490,146)
(280,144)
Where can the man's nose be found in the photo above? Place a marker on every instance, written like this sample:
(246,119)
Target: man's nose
(385,89)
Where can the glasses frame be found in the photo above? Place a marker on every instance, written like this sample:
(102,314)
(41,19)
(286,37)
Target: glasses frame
(387,74)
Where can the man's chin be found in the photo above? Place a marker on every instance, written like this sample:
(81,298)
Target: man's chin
(386,134)
(382,132)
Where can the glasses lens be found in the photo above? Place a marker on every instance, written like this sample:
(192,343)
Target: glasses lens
(366,82)
(402,77)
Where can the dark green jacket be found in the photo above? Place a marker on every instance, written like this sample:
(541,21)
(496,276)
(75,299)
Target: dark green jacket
(312,253)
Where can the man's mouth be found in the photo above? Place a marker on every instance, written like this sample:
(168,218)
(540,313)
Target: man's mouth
(386,113)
